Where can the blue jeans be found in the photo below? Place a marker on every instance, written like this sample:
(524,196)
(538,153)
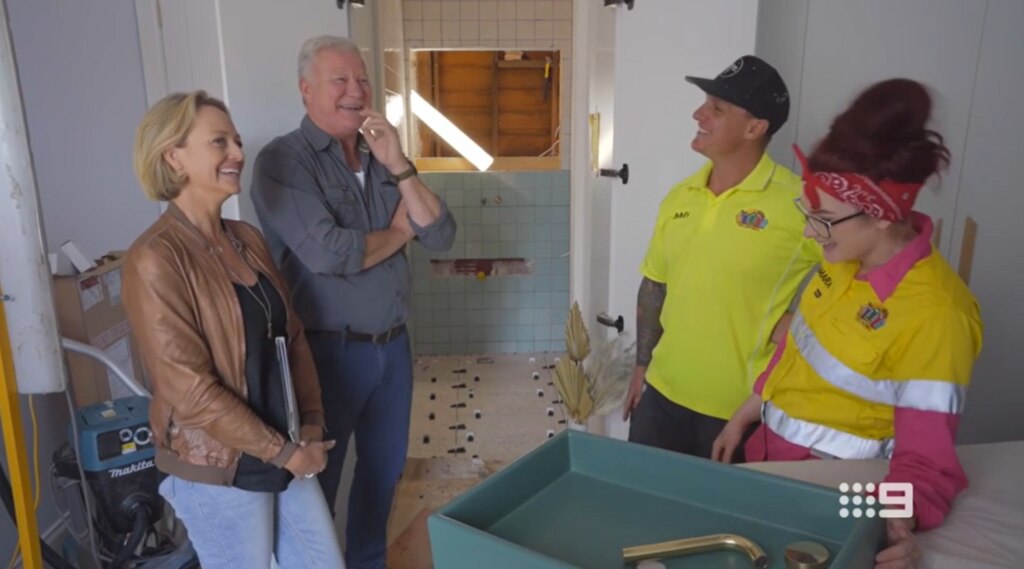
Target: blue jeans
(231,528)
(367,389)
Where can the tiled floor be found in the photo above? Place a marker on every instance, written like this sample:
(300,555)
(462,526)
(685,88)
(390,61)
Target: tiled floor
(492,407)
(471,416)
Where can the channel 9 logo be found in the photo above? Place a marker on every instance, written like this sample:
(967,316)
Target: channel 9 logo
(895,500)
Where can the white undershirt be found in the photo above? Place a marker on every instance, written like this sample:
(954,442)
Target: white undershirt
(361,176)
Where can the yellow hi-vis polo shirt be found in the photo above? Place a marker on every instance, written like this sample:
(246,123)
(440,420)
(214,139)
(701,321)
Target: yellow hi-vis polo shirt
(851,358)
(731,265)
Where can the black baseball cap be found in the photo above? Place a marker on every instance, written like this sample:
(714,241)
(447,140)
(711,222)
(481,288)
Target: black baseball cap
(752,84)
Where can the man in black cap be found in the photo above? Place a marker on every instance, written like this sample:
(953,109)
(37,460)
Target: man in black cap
(725,261)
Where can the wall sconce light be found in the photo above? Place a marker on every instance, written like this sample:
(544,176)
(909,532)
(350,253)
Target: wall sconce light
(353,3)
(616,3)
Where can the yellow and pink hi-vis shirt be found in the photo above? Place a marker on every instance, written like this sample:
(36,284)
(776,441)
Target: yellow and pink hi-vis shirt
(877,366)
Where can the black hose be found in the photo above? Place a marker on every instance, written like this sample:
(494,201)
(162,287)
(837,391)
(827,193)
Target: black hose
(140,524)
(51,557)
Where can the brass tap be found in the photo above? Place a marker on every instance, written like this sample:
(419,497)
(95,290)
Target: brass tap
(693,545)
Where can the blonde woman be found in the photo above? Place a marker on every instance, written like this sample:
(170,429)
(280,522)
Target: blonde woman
(207,306)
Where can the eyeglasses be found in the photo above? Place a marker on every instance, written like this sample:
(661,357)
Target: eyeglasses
(823,227)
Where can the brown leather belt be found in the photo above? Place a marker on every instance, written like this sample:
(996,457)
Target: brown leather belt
(377,339)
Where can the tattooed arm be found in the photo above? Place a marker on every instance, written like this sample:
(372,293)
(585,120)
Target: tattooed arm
(649,301)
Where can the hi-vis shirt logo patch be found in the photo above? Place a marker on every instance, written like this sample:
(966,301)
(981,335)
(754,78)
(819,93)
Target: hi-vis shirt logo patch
(755,219)
(872,317)
(681,215)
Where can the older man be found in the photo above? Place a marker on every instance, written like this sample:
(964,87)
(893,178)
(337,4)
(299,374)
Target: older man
(338,201)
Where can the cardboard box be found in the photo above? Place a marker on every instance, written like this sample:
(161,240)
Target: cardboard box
(89,310)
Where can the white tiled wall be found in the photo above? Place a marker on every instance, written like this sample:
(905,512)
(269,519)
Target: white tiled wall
(497,24)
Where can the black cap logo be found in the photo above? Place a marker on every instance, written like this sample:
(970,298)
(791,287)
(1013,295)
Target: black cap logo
(732,70)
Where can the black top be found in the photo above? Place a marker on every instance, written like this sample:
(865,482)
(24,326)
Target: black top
(263,378)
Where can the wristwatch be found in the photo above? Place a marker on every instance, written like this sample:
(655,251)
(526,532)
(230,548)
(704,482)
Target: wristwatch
(408,173)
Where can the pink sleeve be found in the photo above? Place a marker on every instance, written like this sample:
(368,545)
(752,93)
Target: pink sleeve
(925,456)
(761,379)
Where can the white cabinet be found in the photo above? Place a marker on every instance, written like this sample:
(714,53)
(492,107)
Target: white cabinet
(991,193)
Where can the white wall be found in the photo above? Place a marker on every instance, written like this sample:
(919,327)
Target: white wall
(81,80)
(261,41)
(933,41)
(244,51)
(657,44)
(990,193)
(593,92)
(83,91)
(781,34)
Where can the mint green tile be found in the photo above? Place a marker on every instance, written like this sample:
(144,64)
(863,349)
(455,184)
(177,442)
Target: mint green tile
(442,318)
(560,196)
(560,266)
(507,333)
(542,249)
(540,232)
(544,298)
(491,348)
(471,232)
(508,301)
(508,232)
(494,316)
(458,319)
(524,250)
(492,285)
(474,318)
(491,233)
(455,181)
(543,198)
(455,198)
(525,214)
(507,214)
(508,250)
(474,250)
(525,197)
(539,316)
(560,214)
(490,215)
(457,301)
(560,231)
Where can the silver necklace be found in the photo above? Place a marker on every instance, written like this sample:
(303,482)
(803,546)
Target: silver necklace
(265,303)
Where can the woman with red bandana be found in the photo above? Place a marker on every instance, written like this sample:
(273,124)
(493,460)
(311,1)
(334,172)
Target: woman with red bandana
(879,353)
